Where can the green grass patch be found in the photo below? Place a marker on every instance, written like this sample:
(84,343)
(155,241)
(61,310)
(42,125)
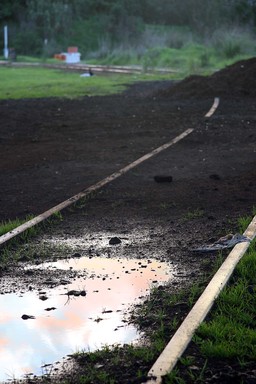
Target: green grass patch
(29,252)
(43,82)
(195,214)
(230,332)
(9,225)
(35,82)
(15,249)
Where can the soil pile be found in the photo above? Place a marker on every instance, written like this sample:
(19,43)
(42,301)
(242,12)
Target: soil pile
(238,80)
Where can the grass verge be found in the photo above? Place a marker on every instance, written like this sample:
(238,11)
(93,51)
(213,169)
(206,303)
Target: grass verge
(14,250)
(9,225)
(42,82)
(37,82)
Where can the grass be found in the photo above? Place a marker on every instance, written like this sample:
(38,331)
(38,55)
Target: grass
(243,222)
(29,252)
(191,215)
(42,82)
(9,225)
(24,252)
(231,331)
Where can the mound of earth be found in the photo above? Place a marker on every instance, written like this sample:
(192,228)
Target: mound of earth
(237,80)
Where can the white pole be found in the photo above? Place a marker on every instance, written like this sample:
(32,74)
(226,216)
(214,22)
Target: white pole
(6,52)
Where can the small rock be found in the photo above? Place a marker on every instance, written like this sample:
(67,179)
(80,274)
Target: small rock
(51,281)
(163,179)
(26,317)
(215,176)
(77,255)
(115,241)
(76,293)
(43,297)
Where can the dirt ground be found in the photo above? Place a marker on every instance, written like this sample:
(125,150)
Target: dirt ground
(52,149)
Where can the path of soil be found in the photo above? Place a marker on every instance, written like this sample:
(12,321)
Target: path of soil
(52,149)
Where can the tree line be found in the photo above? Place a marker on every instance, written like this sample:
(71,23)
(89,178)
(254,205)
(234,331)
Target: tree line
(38,26)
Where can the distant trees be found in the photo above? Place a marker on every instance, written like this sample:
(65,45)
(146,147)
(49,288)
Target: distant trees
(58,22)
(200,14)
(10,9)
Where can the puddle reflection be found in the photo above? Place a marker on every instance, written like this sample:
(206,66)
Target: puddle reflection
(64,324)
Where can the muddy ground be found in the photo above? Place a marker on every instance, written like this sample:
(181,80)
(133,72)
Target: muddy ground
(52,149)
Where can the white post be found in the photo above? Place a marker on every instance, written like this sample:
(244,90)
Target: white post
(6,51)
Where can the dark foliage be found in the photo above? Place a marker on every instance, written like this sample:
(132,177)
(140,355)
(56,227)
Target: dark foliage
(54,22)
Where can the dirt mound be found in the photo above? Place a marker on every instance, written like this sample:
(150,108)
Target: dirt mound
(238,79)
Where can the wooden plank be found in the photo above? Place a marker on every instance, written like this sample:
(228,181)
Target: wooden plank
(213,107)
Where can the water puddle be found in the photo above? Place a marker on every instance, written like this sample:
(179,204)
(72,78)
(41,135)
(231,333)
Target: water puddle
(80,315)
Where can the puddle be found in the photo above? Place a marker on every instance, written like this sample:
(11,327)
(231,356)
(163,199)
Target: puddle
(80,315)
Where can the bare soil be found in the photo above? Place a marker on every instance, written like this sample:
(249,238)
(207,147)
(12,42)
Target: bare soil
(53,148)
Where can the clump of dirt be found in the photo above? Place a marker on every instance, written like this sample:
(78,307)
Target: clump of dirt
(237,80)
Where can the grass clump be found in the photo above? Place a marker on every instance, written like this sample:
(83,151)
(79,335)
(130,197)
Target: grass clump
(29,252)
(16,248)
(243,222)
(195,214)
(9,225)
(106,366)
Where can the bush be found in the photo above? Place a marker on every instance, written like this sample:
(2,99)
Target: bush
(28,43)
(233,42)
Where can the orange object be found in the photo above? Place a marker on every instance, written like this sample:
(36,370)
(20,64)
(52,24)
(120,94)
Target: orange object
(60,56)
(72,49)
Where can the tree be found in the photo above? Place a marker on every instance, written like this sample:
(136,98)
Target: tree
(10,10)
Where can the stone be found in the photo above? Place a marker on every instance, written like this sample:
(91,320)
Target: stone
(163,178)
(115,241)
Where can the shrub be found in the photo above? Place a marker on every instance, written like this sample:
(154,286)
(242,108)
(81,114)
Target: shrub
(232,42)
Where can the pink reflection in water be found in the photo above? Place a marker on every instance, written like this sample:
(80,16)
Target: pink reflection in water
(84,322)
